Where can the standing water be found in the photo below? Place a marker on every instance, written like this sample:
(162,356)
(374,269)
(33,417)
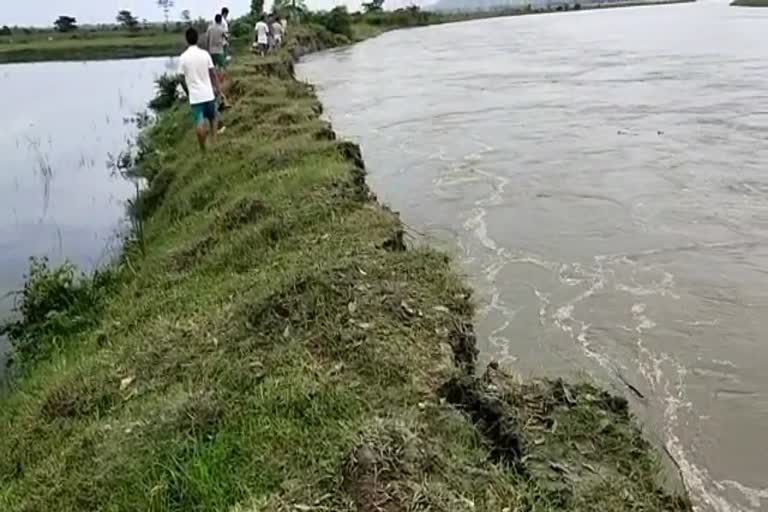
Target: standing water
(58,196)
(601,177)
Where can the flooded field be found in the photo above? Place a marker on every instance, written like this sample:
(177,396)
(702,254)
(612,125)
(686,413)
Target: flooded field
(58,196)
(600,176)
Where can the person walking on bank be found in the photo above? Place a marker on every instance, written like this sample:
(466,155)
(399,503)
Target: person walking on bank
(262,36)
(216,41)
(225,24)
(277,32)
(200,83)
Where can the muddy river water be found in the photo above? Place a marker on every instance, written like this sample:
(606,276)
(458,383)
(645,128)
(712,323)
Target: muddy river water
(602,179)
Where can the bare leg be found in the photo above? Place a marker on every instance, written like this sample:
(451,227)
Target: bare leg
(201,134)
(223,97)
(214,129)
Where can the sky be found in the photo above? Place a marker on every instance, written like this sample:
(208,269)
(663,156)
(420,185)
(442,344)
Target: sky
(44,12)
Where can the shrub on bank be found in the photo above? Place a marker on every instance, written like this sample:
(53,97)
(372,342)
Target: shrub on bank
(337,20)
(167,91)
(55,303)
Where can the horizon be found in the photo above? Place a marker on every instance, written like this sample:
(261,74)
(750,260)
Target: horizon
(42,13)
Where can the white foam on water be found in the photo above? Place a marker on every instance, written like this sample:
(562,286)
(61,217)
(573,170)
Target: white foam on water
(477,225)
(754,496)
(664,375)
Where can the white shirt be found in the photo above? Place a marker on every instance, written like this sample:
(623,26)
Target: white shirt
(195,64)
(277,30)
(262,33)
(225,23)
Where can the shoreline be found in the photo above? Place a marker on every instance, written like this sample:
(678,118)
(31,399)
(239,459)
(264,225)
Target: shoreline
(94,48)
(269,342)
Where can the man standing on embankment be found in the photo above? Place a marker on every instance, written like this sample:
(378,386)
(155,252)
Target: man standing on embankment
(200,83)
(216,39)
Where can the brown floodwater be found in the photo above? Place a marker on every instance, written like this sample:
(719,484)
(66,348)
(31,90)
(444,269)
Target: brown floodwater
(601,178)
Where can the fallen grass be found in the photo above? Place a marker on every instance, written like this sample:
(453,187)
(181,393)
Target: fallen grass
(274,346)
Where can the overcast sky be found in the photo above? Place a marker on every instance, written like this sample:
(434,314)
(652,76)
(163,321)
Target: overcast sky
(43,12)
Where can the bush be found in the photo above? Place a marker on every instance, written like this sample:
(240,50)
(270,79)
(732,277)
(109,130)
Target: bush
(242,27)
(167,86)
(337,20)
(54,303)
(404,17)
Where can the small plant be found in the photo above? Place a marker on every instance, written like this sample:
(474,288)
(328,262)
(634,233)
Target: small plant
(167,86)
(54,303)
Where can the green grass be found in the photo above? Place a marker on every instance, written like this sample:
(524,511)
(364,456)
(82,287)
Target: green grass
(84,45)
(750,3)
(269,344)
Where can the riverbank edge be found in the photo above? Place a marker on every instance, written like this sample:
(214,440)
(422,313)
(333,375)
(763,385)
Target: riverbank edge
(152,47)
(750,3)
(352,354)
(162,47)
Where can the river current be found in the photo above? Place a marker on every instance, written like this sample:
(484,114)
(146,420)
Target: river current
(600,177)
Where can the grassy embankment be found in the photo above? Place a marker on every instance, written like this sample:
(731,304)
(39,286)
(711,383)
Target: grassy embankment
(113,43)
(267,342)
(47,46)
(750,3)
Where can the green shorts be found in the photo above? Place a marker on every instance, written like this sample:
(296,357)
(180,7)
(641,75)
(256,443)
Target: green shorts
(203,111)
(219,60)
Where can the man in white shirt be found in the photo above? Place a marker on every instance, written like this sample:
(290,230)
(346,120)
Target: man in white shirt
(200,83)
(262,35)
(277,32)
(225,24)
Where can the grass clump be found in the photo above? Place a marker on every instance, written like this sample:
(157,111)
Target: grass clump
(55,303)
(273,346)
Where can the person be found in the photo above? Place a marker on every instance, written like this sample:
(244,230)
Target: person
(225,24)
(216,41)
(262,36)
(277,32)
(200,83)
(216,44)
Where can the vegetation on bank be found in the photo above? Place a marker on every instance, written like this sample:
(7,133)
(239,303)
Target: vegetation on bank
(750,3)
(132,38)
(268,342)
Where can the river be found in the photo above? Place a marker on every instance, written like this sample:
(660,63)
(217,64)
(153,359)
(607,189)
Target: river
(58,196)
(600,176)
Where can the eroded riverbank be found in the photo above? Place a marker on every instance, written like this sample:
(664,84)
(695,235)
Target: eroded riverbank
(268,342)
(605,195)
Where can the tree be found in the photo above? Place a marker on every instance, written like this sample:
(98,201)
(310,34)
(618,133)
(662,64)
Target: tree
(166,6)
(186,16)
(65,24)
(293,9)
(6,31)
(373,6)
(128,20)
(337,21)
(257,7)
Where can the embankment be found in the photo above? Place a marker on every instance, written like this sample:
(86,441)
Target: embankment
(98,47)
(268,342)
(750,3)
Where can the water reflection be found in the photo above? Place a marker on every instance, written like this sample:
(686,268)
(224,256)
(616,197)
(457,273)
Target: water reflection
(62,121)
